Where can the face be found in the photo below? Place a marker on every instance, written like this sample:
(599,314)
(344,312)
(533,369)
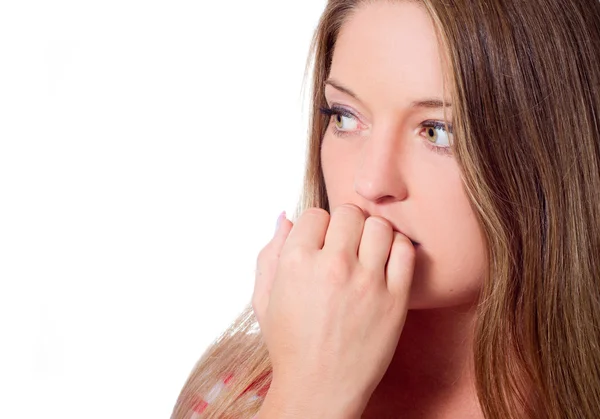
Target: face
(386,153)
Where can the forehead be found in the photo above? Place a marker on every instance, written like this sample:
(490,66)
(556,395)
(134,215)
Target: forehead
(388,51)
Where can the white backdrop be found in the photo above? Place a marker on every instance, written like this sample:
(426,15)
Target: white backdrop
(146,150)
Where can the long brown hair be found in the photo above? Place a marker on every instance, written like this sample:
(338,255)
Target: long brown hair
(526,115)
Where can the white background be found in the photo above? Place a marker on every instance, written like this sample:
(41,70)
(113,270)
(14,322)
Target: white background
(146,150)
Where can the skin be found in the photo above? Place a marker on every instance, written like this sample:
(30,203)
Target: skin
(388,55)
(357,320)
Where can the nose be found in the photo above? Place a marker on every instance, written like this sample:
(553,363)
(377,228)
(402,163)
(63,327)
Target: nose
(379,175)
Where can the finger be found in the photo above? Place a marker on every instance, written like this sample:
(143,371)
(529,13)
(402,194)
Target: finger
(400,267)
(345,229)
(279,238)
(266,267)
(309,230)
(375,244)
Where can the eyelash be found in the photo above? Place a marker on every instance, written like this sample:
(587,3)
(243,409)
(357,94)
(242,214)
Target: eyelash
(336,110)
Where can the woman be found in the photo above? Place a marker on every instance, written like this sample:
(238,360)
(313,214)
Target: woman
(443,262)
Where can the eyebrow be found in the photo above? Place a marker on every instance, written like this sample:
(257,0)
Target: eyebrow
(424,103)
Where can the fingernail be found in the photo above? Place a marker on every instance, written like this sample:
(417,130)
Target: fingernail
(281,217)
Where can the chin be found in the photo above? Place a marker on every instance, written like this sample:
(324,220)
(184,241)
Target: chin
(428,293)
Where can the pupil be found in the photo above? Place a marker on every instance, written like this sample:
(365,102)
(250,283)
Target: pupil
(431,132)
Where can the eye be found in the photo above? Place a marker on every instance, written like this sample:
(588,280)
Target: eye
(345,123)
(436,134)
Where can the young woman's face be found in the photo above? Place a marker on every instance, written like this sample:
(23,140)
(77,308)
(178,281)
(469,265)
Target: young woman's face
(380,152)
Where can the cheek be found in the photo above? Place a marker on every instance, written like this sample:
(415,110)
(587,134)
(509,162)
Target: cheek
(337,166)
(448,275)
(451,264)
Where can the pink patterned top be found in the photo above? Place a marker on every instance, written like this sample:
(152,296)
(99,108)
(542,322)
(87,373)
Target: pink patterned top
(202,403)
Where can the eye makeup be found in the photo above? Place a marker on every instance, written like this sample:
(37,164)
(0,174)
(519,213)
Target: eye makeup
(339,113)
(430,126)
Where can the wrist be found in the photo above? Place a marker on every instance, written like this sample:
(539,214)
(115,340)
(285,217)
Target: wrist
(293,402)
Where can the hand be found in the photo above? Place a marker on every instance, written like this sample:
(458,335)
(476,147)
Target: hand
(330,297)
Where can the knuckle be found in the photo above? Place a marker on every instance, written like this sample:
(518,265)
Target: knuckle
(262,255)
(365,283)
(338,266)
(296,257)
(362,288)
